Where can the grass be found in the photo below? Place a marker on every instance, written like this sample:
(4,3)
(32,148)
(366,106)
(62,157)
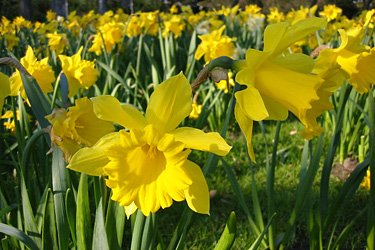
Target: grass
(205,230)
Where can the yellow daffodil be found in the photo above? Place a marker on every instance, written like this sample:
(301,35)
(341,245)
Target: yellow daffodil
(109,34)
(79,73)
(174,24)
(214,45)
(276,83)
(275,16)
(11,125)
(302,13)
(252,9)
(77,128)
(366,181)
(224,84)
(50,15)
(331,11)
(149,22)
(147,166)
(134,27)
(4,89)
(196,111)
(21,22)
(57,41)
(173,9)
(40,70)
(356,60)
(11,40)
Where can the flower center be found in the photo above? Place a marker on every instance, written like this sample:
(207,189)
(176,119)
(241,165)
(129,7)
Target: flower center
(151,151)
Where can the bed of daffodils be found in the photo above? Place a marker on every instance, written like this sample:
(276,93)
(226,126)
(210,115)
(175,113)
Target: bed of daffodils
(99,114)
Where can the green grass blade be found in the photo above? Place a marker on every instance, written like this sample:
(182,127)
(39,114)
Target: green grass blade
(49,236)
(304,189)
(138,230)
(149,232)
(39,103)
(19,235)
(371,214)
(258,241)
(70,206)
(114,224)
(229,235)
(83,220)
(100,241)
(30,225)
(113,73)
(59,186)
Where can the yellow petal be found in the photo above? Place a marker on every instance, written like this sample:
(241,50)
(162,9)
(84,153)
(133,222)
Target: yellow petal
(197,195)
(92,160)
(170,103)
(4,89)
(278,37)
(246,125)
(275,110)
(297,62)
(252,103)
(129,210)
(108,108)
(197,139)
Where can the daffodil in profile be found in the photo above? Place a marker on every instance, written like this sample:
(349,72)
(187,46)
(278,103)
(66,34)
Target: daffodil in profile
(80,73)
(57,42)
(146,164)
(40,70)
(277,83)
(79,127)
(355,59)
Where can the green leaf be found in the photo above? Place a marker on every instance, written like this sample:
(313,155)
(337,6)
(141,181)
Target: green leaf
(38,101)
(70,205)
(113,74)
(60,185)
(83,220)
(49,236)
(31,227)
(256,244)
(114,225)
(19,235)
(229,235)
(100,241)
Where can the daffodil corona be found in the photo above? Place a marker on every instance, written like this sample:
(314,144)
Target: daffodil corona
(146,165)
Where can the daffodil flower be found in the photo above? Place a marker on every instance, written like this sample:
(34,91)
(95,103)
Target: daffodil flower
(80,73)
(77,128)
(146,165)
(196,111)
(40,70)
(331,11)
(356,60)
(276,84)
(11,125)
(214,45)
